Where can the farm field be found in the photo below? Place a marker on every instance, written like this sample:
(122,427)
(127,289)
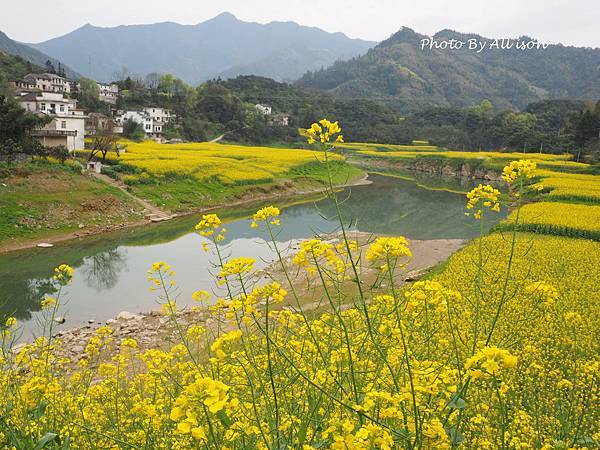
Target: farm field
(186,176)
(494,160)
(562,219)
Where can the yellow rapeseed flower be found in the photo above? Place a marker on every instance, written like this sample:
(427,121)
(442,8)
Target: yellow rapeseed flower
(522,169)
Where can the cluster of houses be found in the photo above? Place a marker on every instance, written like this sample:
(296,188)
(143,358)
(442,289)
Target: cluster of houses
(50,94)
(152,120)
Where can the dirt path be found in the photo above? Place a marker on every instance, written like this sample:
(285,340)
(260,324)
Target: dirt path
(154,214)
(217,139)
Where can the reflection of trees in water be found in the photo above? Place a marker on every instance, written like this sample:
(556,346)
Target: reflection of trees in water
(20,297)
(101,271)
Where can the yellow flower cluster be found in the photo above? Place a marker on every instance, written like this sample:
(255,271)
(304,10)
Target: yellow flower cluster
(314,252)
(63,274)
(545,292)
(324,132)
(490,362)
(208,224)
(524,169)
(203,396)
(268,214)
(224,344)
(481,197)
(388,250)
(237,266)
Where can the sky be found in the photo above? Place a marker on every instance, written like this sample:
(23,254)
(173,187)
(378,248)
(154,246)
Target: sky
(571,22)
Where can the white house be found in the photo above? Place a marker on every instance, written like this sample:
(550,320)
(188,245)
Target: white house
(263,109)
(152,120)
(108,92)
(283,120)
(68,122)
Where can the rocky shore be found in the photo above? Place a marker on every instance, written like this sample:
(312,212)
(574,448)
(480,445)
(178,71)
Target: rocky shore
(154,330)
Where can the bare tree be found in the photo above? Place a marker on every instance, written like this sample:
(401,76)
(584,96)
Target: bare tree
(104,139)
(153,80)
(121,74)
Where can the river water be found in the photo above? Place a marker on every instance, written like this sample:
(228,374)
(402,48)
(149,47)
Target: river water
(110,269)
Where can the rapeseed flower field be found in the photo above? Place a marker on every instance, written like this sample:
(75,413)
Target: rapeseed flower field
(188,176)
(230,164)
(496,350)
(563,219)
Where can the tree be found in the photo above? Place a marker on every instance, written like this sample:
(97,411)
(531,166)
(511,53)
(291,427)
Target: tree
(61,71)
(89,95)
(167,84)
(133,130)
(152,81)
(50,67)
(15,126)
(105,139)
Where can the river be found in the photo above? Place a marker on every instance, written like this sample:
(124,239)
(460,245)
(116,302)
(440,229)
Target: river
(110,269)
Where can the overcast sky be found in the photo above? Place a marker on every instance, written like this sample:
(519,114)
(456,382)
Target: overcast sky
(572,22)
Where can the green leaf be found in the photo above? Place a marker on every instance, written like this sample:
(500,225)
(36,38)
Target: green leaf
(45,440)
(455,436)
(67,444)
(456,402)
(585,440)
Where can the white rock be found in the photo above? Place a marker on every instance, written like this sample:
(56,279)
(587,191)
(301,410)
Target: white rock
(45,245)
(125,315)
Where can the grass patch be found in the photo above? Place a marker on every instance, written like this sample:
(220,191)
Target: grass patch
(41,199)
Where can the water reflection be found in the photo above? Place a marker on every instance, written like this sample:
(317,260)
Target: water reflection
(101,271)
(110,270)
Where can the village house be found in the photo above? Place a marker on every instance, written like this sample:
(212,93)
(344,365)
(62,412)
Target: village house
(283,120)
(108,93)
(153,120)
(46,82)
(67,127)
(263,109)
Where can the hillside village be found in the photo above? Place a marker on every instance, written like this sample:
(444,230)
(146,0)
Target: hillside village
(54,96)
(50,94)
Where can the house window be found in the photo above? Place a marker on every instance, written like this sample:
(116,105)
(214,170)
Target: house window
(43,107)
(63,124)
(148,127)
(62,108)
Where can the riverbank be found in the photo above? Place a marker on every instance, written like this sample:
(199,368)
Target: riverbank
(152,330)
(250,196)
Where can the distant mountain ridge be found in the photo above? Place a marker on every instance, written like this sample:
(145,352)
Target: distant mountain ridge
(32,55)
(223,46)
(409,79)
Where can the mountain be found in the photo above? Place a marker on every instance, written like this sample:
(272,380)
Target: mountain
(407,78)
(11,47)
(223,46)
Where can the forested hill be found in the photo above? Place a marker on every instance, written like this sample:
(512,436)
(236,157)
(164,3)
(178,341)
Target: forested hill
(410,79)
(11,47)
(12,67)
